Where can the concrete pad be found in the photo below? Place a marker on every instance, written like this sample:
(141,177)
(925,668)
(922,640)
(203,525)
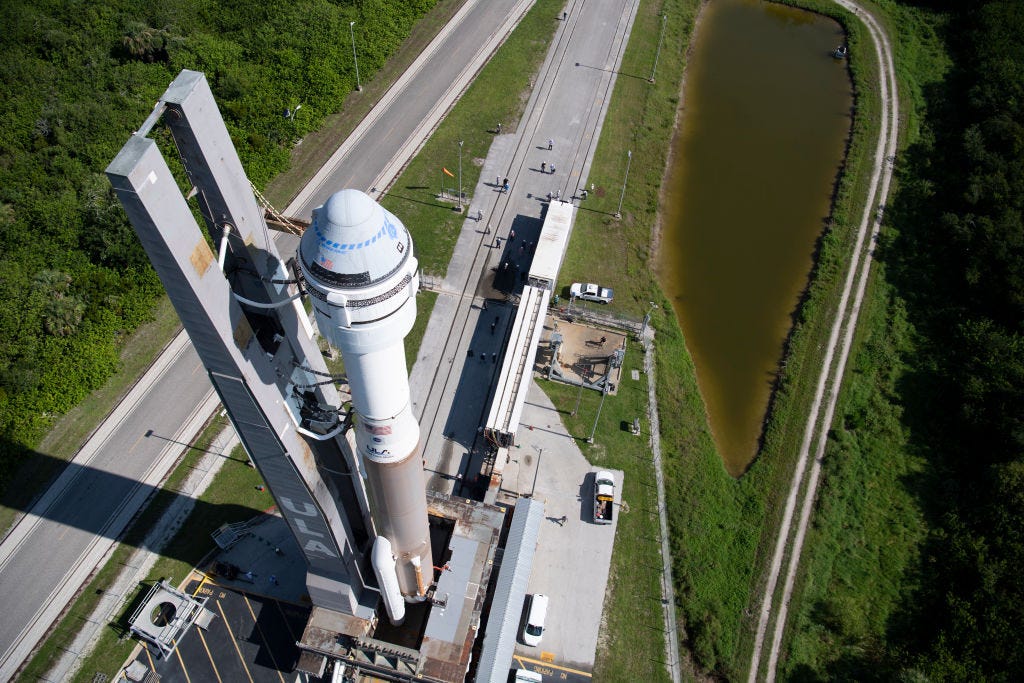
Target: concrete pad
(573,554)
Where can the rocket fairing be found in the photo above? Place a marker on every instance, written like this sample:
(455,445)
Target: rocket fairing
(358,263)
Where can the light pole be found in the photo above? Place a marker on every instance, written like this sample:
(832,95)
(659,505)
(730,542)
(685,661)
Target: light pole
(579,397)
(604,392)
(647,320)
(460,175)
(352,34)
(658,53)
(629,160)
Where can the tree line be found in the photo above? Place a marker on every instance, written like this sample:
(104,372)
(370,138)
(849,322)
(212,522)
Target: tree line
(957,260)
(75,80)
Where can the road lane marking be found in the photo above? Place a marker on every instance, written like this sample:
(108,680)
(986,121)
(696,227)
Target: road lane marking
(233,641)
(549,665)
(263,638)
(209,654)
(152,667)
(287,624)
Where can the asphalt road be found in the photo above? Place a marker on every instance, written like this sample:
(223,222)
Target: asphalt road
(49,554)
(411,109)
(51,550)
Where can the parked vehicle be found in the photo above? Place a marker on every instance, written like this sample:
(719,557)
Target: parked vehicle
(604,497)
(533,630)
(527,676)
(591,292)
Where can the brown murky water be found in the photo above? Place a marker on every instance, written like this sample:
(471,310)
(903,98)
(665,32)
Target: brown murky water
(767,113)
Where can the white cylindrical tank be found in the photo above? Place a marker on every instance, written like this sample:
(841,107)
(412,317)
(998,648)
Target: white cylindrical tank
(357,260)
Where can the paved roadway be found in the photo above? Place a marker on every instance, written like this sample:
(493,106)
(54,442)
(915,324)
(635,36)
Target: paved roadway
(391,134)
(52,550)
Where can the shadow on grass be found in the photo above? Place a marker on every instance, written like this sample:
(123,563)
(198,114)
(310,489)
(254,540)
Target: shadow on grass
(402,197)
(613,71)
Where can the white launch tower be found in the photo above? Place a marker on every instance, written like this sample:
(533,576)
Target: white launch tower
(358,263)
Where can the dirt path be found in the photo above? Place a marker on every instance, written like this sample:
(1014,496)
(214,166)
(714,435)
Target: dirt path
(791,533)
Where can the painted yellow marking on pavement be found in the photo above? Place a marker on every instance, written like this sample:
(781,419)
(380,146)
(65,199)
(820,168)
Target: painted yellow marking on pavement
(137,441)
(209,655)
(270,650)
(284,617)
(181,661)
(548,664)
(202,582)
(233,641)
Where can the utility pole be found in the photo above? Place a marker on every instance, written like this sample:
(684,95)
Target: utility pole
(460,175)
(629,160)
(352,34)
(604,392)
(658,53)
(647,320)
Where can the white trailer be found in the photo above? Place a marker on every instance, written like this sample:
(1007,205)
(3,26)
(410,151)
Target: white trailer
(554,239)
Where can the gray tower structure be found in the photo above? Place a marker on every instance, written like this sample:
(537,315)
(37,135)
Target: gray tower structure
(244,317)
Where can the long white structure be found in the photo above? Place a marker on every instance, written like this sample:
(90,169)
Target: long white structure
(358,264)
(554,238)
(517,367)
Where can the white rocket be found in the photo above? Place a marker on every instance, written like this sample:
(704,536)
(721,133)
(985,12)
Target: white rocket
(357,260)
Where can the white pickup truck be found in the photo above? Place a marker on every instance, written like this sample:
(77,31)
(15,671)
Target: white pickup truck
(604,497)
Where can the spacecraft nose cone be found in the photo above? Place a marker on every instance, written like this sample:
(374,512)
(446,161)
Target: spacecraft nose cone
(353,241)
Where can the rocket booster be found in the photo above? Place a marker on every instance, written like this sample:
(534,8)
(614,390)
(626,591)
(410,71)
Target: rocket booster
(357,260)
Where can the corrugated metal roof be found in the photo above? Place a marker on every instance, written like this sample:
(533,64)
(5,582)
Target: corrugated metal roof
(510,591)
(554,238)
(517,367)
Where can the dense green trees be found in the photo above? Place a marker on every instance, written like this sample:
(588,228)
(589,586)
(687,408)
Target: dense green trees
(76,78)
(958,260)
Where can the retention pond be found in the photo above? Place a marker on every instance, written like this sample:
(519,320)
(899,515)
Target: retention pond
(763,131)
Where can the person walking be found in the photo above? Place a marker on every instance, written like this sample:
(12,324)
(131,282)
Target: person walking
(551,144)
(543,167)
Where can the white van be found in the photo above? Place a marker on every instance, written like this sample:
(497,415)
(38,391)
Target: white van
(533,631)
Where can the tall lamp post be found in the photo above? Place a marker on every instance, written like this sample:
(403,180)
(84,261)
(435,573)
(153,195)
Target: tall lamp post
(460,174)
(593,430)
(629,160)
(352,34)
(658,53)
(647,320)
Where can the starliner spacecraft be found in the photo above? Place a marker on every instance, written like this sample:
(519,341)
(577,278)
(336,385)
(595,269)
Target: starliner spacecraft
(240,303)
(358,264)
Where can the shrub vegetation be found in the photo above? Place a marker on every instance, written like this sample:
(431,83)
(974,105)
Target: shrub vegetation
(75,81)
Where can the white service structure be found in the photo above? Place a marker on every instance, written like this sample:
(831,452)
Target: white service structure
(358,263)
